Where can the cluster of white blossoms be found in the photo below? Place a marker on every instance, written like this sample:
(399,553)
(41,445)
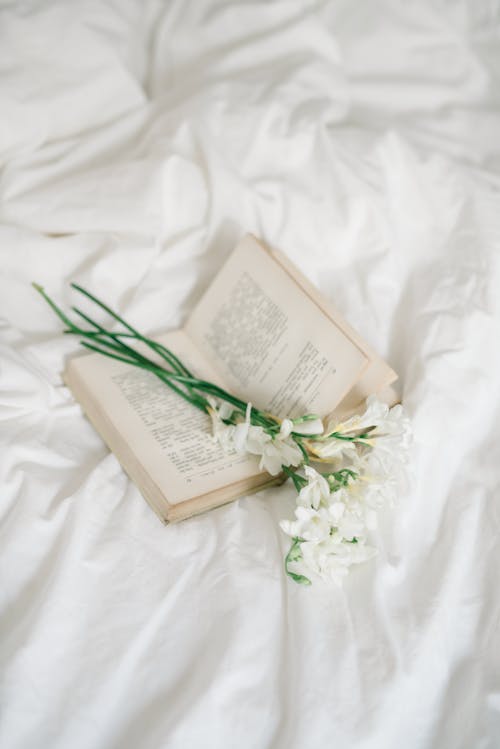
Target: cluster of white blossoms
(366,460)
(336,510)
(275,451)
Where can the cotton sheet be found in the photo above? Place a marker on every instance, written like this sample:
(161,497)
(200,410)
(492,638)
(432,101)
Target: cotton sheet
(138,142)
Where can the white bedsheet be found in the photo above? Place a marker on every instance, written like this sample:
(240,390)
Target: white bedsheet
(138,142)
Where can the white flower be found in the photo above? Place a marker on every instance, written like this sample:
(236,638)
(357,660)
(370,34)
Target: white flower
(391,441)
(246,436)
(383,465)
(385,428)
(337,513)
(286,428)
(277,453)
(221,432)
(377,480)
(394,423)
(379,419)
(375,414)
(317,490)
(351,524)
(330,449)
(322,560)
(361,498)
(308,426)
(331,558)
(274,452)
(299,426)
(336,510)
(310,524)
(249,438)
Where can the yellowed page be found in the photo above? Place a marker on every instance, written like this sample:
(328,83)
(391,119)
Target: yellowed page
(377,376)
(168,436)
(269,341)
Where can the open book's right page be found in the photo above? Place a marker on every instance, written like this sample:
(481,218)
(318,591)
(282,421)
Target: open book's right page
(270,342)
(376,378)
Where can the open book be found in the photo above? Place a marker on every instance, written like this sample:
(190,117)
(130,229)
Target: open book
(263,332)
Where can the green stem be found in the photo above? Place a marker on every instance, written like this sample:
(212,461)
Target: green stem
(161,373)
(295,555)
(298,481)
(256,416)
(165,353)
(60,314)
(347,437)
(112,344)
(303,450)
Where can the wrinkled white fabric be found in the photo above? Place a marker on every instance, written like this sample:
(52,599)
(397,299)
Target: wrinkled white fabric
(138,142)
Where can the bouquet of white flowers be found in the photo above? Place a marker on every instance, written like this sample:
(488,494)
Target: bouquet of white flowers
(360,463)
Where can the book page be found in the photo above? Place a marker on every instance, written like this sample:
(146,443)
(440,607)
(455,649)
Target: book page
(377,376)
(169,436)
(269,341)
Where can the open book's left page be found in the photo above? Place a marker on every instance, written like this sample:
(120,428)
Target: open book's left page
(168,438)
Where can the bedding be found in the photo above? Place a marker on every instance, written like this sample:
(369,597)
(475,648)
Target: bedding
(138,142)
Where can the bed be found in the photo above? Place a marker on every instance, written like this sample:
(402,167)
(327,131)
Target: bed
(138,142)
